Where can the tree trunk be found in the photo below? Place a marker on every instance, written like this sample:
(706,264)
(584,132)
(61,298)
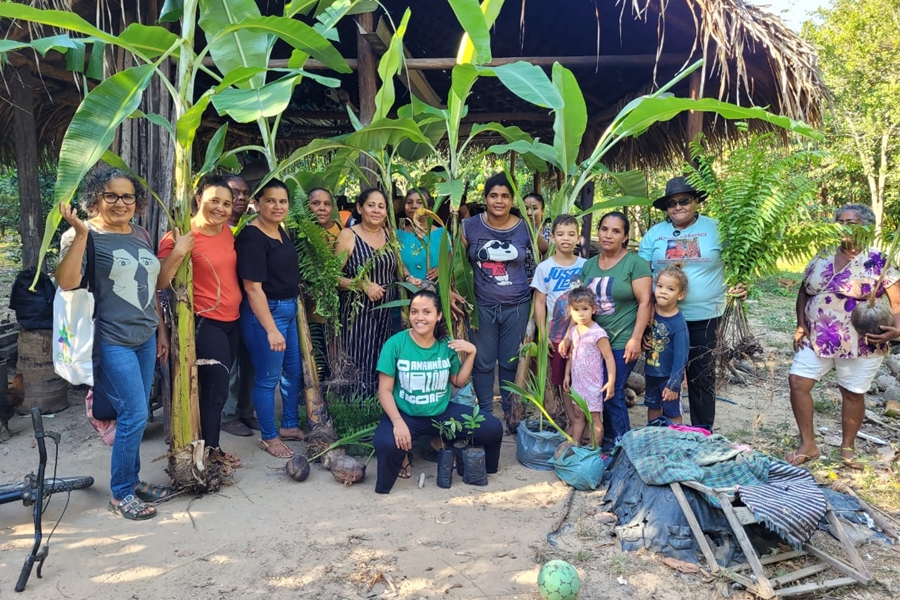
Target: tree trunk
(31,219)
(368,87)
(320,425)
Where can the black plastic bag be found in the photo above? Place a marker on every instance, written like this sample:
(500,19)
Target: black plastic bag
(474,469)
(445,468)
(459,448)
(534,448)
(34,310)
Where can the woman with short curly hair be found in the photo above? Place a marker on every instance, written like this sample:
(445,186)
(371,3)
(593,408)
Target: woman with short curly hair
(125,269)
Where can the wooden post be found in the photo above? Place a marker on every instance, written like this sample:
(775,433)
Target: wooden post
(30,209)
(695,118)
(587,200)
(368,85)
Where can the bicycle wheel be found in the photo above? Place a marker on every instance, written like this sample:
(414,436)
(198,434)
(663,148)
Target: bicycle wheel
(66,484)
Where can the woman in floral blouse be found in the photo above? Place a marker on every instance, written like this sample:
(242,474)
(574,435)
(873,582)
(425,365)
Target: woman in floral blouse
(833,284)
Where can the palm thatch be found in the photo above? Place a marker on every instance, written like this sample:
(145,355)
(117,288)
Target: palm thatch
(617,51)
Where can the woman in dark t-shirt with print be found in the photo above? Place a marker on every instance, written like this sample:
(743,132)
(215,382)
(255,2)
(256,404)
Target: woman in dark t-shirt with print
(270,275)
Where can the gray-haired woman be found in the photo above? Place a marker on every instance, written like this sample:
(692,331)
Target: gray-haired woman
(126,323)
(834,282)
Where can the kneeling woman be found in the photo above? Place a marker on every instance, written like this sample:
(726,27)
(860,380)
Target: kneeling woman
(415,370)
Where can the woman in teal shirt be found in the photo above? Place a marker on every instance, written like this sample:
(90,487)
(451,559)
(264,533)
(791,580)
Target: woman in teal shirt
(420,244)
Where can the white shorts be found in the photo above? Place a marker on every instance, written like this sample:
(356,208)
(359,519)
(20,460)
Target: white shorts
(853,374)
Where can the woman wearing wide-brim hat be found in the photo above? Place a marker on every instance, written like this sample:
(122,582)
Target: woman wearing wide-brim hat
(692,239)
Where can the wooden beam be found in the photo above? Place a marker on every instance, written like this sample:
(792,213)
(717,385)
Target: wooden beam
(414,80)
(30,212)
(368,84)
(445,64)
(695,118)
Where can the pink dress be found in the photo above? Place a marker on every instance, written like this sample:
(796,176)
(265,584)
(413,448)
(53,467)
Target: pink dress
(588,366)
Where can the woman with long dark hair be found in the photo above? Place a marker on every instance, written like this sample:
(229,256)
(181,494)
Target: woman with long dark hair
(415,370)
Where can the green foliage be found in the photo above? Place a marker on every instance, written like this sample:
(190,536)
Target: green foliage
(589,418)
(760,198)
(10,217)
(319,266)
(447,429)
(472,422)
(353,413)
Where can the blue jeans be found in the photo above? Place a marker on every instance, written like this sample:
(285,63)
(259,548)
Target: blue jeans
(498,337)
(124,376)
(615,412)
(273,368)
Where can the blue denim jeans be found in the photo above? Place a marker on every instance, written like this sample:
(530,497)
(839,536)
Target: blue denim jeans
(615,412)
(273,368)
(125,375)
(498,337)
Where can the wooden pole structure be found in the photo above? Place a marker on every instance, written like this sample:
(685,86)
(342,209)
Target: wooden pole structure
(695,118)
(587,200)
(368,85)
(31,220)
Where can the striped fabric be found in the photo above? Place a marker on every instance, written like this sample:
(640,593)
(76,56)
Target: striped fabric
(784,498)
(789,503)
(364,329)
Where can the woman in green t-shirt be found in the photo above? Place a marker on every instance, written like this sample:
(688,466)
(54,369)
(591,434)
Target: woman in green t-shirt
(415,370)
(623,283)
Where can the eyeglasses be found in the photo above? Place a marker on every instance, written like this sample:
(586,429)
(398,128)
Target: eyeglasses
(111,198)
(679,202)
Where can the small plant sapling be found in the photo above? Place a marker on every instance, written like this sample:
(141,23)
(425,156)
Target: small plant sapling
(474,466)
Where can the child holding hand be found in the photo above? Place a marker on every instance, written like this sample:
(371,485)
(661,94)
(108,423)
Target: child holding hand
(669,344)
(591,370)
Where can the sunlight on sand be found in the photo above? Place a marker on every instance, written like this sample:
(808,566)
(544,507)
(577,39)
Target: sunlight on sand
(534,494)
(129,575)
(106,540)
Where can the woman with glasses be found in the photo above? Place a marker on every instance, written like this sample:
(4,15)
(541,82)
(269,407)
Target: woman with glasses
(118,256)
(692,239)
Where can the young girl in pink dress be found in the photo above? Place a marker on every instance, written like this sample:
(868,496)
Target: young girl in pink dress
(591,369)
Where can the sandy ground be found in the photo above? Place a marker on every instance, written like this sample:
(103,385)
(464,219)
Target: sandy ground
(270,537)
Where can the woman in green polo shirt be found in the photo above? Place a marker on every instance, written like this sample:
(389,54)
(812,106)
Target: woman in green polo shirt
(415,370)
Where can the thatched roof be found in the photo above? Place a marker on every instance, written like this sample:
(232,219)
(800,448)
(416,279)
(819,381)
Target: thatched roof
(617,50)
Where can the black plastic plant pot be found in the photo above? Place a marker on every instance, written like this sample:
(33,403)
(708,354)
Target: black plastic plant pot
(445,468)
(459,448)
(475,470)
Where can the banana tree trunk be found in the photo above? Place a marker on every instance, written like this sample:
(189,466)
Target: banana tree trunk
(187,462)
(320,425)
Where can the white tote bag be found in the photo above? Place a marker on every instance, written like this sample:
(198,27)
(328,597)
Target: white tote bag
(73,321)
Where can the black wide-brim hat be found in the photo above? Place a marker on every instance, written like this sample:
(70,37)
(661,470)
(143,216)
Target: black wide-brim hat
(677,185)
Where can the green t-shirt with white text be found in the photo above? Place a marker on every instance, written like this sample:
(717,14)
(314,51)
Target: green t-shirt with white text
(616,305)
(421,375)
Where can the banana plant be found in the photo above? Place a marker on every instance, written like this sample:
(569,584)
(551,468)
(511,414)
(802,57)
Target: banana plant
(239,41)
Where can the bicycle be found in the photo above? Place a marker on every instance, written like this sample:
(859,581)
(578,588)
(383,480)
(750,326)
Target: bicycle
(32,492)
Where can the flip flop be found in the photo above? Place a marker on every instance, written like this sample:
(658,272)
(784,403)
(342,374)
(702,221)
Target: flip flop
(406,469)
(798,459)
(851,463)
(276,448)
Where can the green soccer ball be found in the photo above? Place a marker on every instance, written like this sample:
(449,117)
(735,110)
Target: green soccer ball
(558,580)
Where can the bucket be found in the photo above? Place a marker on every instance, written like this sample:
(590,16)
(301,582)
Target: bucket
(43,387)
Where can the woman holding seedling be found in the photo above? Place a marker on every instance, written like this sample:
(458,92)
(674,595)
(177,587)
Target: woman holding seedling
(415,370)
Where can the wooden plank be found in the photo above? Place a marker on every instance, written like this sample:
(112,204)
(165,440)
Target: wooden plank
(847,544)
(445,64)
(799,574)
(772,559)
(744,515)
(806,588)
(863,578)
(764,588)
(695,526)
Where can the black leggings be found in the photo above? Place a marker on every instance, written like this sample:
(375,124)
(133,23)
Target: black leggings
(215,340)
(390,458)
(701,372)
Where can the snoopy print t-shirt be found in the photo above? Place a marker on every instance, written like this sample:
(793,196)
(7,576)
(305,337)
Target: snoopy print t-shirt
(502,261)
(125,273)
(421,375)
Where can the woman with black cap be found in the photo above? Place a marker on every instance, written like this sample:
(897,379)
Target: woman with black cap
(692,239)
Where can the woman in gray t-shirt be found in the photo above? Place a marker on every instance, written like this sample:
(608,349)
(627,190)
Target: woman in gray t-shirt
(124,272)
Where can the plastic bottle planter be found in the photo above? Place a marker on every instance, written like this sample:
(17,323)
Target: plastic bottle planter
(474,469)
(459,448)
(445,468)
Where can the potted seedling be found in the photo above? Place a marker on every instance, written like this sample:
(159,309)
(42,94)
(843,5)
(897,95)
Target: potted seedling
(447,430)
(474,468)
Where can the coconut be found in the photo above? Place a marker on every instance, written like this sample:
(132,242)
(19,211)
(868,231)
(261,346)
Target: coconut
(868,318)
(297,468)
(347,470)
(562,450)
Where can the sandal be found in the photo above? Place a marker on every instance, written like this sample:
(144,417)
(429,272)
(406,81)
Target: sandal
(295,435)
(232,460)
(276,448)
(150,492)
(406,467)
(797,459)
(132,509)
